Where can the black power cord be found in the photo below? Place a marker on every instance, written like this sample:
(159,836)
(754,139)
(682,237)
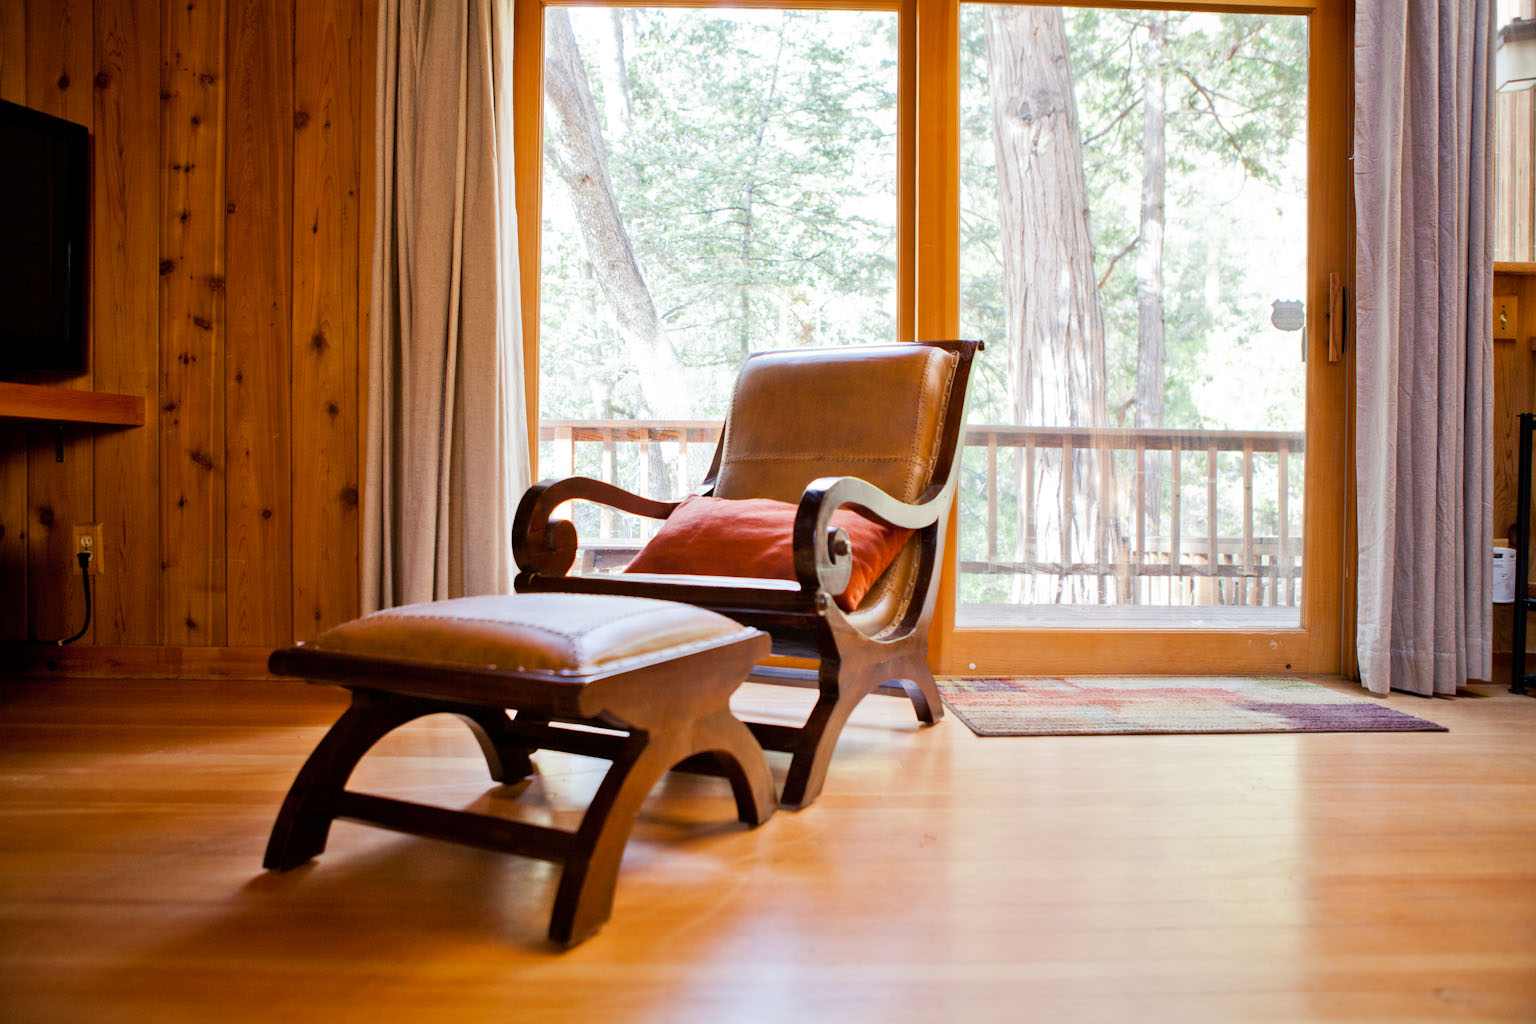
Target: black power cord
(84,558)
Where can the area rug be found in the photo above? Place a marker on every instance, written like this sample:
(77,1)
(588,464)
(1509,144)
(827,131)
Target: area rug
(1115,705)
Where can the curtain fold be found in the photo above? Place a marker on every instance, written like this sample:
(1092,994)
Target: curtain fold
(1423,184)
(447,444)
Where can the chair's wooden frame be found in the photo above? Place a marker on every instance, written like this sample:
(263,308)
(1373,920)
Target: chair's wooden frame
(801,617)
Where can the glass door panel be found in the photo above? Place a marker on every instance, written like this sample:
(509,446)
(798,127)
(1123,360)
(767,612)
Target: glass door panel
(715,182)
(1134,246)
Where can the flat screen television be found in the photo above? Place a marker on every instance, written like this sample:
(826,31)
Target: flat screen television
(45,196)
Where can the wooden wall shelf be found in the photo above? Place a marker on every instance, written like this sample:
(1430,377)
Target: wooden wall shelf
(35,402)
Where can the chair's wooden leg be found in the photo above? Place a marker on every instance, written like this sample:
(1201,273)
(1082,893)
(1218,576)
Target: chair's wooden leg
(304,822)
(812,756)
(507,756)
(584,898)
(740,759)
(918,682)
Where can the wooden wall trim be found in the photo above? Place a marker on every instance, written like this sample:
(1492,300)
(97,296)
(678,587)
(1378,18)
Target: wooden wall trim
(142,662)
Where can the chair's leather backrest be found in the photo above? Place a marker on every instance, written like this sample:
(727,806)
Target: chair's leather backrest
(875,412)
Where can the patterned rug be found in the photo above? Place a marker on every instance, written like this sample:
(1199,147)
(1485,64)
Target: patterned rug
(1115,705)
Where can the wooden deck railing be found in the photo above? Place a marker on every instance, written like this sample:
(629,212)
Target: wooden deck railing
(1159,544)
(1163,548)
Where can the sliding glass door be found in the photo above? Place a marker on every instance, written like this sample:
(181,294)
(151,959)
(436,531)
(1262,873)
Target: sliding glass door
(1149,228)
(1138,210)
(1135,239)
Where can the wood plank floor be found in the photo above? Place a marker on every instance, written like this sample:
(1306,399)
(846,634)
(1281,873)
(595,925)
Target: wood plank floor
(941,877)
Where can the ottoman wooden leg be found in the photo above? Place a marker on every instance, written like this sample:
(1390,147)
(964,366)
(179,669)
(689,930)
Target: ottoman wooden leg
(507,756)
(585,896)
(304,822)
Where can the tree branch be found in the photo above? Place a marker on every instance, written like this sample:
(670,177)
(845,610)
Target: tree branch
(1122,254)
(1124,113)
(1210,106)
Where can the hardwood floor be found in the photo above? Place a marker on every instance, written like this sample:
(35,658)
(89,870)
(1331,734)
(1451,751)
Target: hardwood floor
(941,877)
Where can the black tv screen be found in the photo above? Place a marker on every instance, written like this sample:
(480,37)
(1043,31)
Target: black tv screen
(44,223)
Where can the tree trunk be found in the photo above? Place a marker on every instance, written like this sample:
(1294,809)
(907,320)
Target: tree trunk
(621,111)
(749,196)
(1149,247)
(1055,330)
(577,149)
(1150,346)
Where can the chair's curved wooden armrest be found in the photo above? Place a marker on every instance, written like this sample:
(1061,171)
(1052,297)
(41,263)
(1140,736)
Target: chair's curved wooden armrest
(823,556)
(548,547)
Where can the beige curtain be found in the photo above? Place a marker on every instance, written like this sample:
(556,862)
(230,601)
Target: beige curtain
(447,447)
(1424,377)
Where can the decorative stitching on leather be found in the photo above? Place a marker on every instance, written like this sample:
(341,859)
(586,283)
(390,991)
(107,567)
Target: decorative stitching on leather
(919,463)
(662,655)
(920,467)
(658,656)
(572,639)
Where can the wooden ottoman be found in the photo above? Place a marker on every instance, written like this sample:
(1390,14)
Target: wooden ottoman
(660,673)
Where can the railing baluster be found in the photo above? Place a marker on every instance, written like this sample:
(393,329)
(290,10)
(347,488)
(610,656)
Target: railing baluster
(1139,486)
(1029,504)
(610,470)
(645,466)
(991,497)
(1175,520)
(1212,558)
(683,481)
(1244,595)
(1283,557)
(565,451)
(1109,525)
(1067,473)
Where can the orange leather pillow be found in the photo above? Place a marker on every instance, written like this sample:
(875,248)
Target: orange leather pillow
(753,537)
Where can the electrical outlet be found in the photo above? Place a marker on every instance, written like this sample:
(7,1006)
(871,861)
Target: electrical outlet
(88,538)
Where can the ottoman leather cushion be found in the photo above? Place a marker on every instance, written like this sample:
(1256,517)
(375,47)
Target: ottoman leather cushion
(563,634)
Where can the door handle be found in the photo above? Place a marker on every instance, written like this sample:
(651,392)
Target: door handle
(1335,318)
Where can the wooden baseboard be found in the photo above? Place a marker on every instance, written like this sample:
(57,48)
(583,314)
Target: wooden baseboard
(34,662)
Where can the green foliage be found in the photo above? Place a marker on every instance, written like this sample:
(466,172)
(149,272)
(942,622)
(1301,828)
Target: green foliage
(1235,237)
(756,176)
(752,155)
(1234,241)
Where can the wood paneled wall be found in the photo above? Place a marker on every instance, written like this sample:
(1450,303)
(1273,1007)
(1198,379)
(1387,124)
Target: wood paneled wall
(232,167)
(1514,392)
